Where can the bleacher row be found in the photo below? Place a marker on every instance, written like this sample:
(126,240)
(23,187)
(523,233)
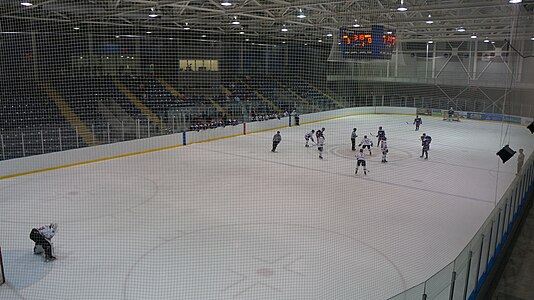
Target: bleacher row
(49,116)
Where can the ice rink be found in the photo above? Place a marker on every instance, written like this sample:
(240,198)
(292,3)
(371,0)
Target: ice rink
(229,219)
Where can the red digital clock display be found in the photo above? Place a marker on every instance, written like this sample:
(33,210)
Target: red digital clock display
(366,39)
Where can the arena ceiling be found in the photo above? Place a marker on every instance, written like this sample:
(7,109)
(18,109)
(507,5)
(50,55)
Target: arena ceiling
(495,19)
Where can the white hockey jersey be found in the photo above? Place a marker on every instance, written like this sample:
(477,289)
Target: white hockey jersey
(366,142)
(360,156)
(320,141)
(47,231)
(384,146)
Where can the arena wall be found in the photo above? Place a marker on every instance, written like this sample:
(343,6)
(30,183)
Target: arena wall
(68,158)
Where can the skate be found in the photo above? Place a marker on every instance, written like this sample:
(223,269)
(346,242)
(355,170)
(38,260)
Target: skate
(356,173)
(307,146)
(38,250)
(50,258)
(426,157)
(320,157)
(364,172)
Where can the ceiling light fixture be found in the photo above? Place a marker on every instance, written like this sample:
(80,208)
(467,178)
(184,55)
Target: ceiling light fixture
(474,35)
(187,26)
(429,21)
(235,21)
(152,13)
(402,7)
(389,32)
(320,41)
(26,3)
(460,29)
(430,42)
(148,32)
(532,38)
(515,1)
(284,29)
(241,32)
(76,28)
(203,36)
(486,40)
(329,34)
(301,15)
(226,3)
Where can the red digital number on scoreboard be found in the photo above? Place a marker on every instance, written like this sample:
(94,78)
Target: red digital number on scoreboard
(366,39)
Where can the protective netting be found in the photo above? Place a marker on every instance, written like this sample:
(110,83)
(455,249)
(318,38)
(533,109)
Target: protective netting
(65,88)
(69,83)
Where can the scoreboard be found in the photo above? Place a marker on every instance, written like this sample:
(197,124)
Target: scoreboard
(367,43)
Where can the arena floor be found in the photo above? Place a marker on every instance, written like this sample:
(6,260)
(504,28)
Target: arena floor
(229,219)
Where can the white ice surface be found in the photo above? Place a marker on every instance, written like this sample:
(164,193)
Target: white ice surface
(230,220)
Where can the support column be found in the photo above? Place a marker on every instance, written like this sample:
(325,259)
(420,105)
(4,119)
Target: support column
(475,59)
(434,61)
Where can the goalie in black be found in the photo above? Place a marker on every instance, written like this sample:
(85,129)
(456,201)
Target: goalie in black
(42,236)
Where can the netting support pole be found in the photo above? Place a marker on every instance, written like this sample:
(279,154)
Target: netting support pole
(138,131)
(42,141)
(3,147)
(109,139)
(23,149)
(122,129)
(489,243)
(148,127)
(94,133)
(453,281)
(60,141)
(2,273)
(468,271)
(479,259)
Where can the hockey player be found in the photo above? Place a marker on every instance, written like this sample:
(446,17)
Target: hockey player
(366,144)
(360,156)
(381,135)
(277,138)
(384,149)
(309,136)
(426,147)
(319,133)
(353,137)
(417,121)
(42,236)
(320,144)
(450,114)
(426,138)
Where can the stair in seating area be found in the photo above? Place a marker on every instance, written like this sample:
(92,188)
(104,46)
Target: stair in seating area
(154,119)
(69,114)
